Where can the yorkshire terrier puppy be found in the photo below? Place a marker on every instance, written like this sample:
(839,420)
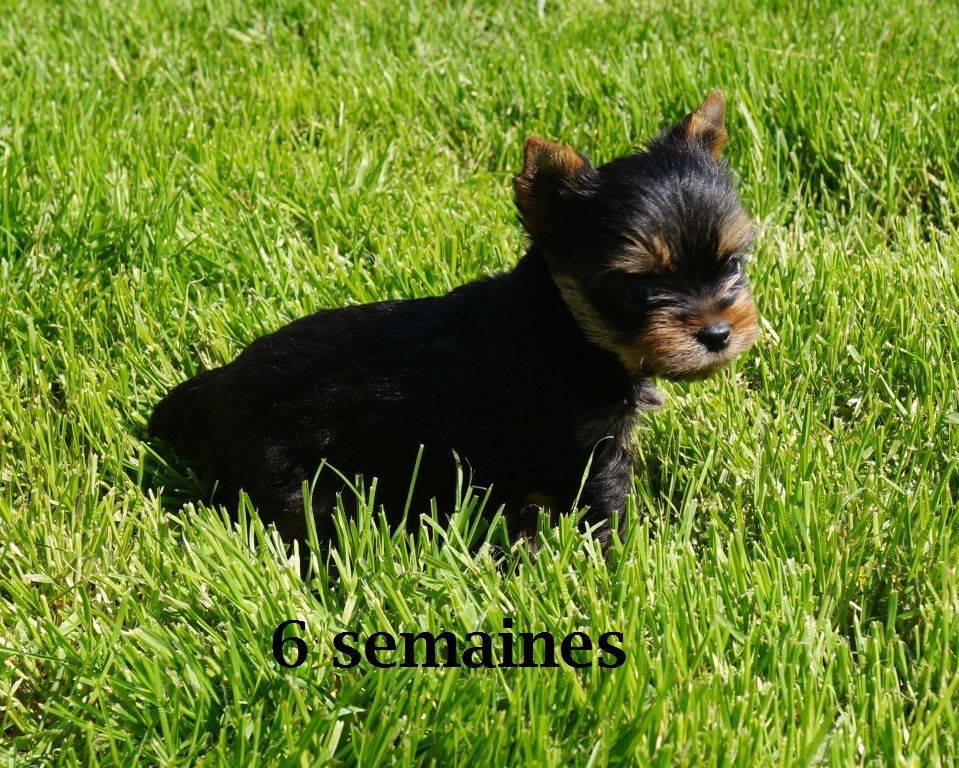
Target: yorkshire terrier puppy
(634,271)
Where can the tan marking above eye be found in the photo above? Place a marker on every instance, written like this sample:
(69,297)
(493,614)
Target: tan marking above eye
(735,234)
(650,254)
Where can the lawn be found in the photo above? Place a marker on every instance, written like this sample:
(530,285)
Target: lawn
(178,178)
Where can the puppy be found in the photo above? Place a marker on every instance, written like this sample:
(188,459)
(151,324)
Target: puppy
(635,270)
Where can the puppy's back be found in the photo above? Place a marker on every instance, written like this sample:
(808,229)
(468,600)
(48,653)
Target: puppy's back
(180,417)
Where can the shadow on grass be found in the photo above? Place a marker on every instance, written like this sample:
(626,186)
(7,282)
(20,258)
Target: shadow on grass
(175,479)
(342,524)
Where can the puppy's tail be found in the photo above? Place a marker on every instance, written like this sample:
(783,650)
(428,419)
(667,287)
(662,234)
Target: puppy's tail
(180,418)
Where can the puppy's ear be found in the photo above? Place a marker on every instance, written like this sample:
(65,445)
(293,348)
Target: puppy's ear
(552,174)
(706,124)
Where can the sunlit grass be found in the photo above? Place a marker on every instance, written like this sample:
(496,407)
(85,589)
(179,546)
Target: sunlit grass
(177,179)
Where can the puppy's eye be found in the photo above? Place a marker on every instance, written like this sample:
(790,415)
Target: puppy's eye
(636,293)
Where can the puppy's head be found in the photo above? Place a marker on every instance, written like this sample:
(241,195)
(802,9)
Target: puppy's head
(648,250)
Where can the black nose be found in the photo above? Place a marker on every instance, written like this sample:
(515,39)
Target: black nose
(714,337)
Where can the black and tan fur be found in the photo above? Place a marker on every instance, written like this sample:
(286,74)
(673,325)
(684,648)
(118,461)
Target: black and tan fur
(634,271)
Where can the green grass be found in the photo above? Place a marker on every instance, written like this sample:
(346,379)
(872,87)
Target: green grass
(177,178)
